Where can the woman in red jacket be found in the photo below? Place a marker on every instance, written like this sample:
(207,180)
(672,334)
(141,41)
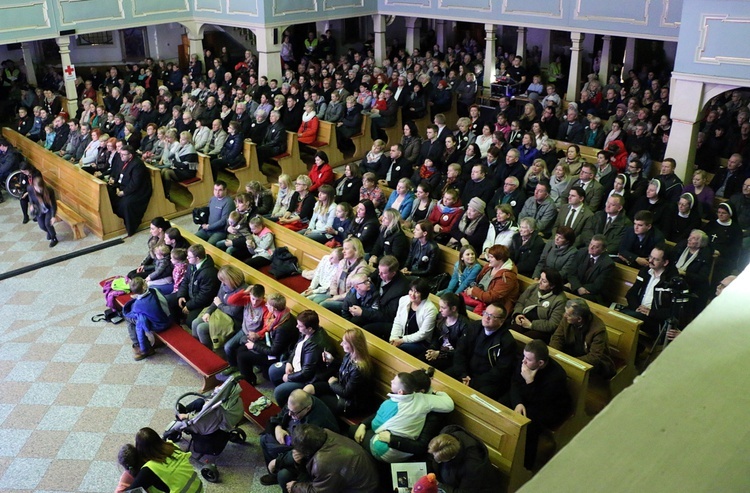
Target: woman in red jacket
(321,172)
(497,282)
(308,129)
(445,214)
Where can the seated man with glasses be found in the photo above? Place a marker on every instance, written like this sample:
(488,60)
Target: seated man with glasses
(485,356)
(277,439)
(362,295)
(583,335)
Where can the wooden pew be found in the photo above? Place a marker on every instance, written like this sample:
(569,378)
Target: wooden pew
(503,430)
(251,170)
(84,196)
(290,162)
(622,330)
(73,219)
(395,132)
(201,187)
(421,124)
(362,141)
(327,142)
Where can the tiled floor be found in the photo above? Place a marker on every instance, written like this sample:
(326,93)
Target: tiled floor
(70,392)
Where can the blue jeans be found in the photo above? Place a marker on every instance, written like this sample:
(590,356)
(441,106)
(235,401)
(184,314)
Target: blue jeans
(232,345)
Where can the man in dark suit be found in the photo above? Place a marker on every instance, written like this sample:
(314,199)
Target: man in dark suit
(592,269)
(130,190)
(350,124)
(510,193)
(389,285)
(728,181)
(576,215)
(274,143)
(199,287)
(594,190)
(432,148)
(485,355)
(638,241)
(612,223)
(387,116)
(398,168)
(571,130)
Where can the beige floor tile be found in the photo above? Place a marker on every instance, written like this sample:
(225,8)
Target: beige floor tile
(111,446)
(13,392)
(42,352)
(43,444)
(75,394)
(121,374)
(64,475)
(143,396)
(56,371)
(25,416)
(95,419)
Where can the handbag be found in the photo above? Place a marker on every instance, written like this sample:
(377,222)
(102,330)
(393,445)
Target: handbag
(439,282)
(200,215)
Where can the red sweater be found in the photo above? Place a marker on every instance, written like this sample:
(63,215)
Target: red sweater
(321,175)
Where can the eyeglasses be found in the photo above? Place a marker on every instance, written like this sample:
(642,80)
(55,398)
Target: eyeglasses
(488,314)
(298,414)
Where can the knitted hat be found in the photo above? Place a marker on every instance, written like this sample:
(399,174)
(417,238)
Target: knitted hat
(477,204)
(622,107)
(442,84)
(426,484)
(726,207)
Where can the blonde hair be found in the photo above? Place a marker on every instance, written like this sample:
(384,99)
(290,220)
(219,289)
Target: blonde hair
(231,276)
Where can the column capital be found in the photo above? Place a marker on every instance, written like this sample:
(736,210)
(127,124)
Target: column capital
(521,30)
(410,22)
(63,42)
(606,38)
(576,37)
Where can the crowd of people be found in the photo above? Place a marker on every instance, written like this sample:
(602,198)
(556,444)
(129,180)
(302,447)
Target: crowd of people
(492,188)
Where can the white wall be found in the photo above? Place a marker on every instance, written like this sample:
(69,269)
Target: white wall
(163,40)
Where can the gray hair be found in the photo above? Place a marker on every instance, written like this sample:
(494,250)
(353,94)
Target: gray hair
(580,307)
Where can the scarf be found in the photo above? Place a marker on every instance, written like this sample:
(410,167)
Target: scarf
(467,226)
(686,259)
(425,172)
(306,117)
(371,158)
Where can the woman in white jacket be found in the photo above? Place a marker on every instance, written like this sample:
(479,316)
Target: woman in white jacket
(323,215)
(502,228)
(322,276)
(415,320)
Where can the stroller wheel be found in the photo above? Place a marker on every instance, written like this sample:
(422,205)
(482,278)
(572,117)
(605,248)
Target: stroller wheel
(210,473)
(237,435)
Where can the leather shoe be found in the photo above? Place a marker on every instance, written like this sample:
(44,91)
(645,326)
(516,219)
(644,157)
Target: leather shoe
(25,220)
(269,480)
(53,242)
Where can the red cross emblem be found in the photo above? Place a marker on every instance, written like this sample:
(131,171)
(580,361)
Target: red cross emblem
(69,70)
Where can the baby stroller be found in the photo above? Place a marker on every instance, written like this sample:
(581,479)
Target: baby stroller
(212,423)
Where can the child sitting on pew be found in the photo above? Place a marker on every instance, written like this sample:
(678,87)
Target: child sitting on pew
(161,277)
(179,269)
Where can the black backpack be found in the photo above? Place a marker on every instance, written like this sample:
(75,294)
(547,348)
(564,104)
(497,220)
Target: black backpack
(283,263)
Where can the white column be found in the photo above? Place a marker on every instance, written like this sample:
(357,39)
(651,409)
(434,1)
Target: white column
(28,61)
(269,59)
(629,60)
(574,78)
(70,85)
(489,55)
(604,65)
(195,40)
(686,98)
(521,44)
(411,32)
(440,34)
(378,27)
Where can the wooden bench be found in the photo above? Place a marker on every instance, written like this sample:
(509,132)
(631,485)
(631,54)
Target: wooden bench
(72,219)
(207,363)
(201,186)
(251,170)
(327,142)
(622,330)
(85,195)
(289,161)
(309,253)
(394,132)
(362,141)
(503,430)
